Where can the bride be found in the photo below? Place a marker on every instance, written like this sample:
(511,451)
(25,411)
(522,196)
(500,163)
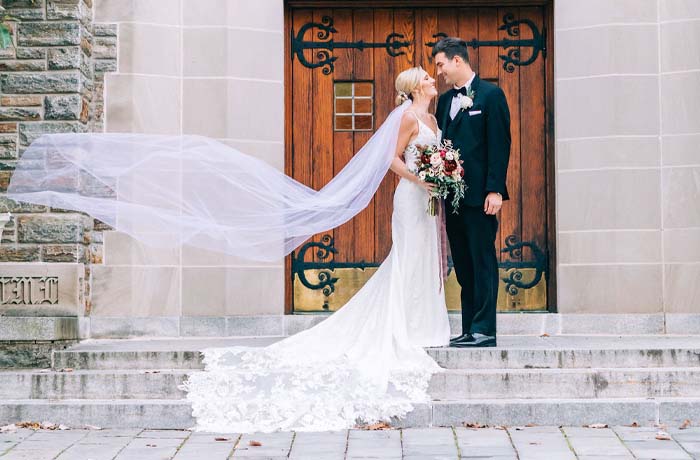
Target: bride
(366,362)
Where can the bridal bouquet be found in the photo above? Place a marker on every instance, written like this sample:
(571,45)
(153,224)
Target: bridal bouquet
(439,164)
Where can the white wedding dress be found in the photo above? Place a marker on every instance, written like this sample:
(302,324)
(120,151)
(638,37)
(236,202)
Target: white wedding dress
(365,363)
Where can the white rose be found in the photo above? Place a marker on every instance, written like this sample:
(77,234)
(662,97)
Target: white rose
(449,156)
(435,159)
(421,175)
(465,102)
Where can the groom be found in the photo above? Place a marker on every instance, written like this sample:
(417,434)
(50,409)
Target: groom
(474,115)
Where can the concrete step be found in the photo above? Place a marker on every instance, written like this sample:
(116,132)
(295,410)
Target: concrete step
(91,384)
(452,384)
(514,352)
(565,383)
(562,358)
(127,413)
(176,414)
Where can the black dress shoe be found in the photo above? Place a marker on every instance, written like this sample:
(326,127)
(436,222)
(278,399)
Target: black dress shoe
(461,338)
(477,342)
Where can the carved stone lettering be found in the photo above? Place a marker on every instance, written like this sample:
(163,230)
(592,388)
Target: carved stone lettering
(28,290)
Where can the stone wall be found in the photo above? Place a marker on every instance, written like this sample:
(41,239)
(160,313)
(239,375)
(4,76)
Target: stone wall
(51,81)
(628,156)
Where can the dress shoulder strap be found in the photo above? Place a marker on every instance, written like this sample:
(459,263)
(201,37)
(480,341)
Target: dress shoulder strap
(413,113)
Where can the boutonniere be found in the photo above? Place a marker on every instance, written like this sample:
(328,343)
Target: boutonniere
(466,102)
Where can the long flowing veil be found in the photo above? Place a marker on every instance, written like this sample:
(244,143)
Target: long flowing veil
(197,190)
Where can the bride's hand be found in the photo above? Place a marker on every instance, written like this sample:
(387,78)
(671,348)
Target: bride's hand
(429,187)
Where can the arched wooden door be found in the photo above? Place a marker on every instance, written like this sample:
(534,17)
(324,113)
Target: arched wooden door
(340,88)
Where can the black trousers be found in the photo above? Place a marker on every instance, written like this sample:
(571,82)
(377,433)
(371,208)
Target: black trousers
(472,235)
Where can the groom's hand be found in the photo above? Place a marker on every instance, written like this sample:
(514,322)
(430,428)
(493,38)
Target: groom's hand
(493,203)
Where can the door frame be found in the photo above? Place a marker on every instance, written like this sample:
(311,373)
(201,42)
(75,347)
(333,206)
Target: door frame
(550,167)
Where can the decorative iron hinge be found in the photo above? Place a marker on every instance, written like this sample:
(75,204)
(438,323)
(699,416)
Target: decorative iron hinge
(512,27)
(392,44)
(514,275)
(326,265)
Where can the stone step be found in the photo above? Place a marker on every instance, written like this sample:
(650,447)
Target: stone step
(565,383)
(452,384)
(176,414)
(561,358)
(91,384)
(126,413)
(514,352)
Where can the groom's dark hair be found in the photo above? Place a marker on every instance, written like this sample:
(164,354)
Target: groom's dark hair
(452,46)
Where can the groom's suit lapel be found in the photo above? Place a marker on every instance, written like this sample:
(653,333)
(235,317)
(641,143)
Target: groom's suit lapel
(445,115)
(461,113)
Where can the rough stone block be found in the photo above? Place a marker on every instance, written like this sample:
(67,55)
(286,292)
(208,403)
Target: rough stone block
(37,354)
(45,82)
(63,253)
(25,10)
(29,132)
(31,53)
(21,101)
(48,34)
(105,30)
(19,114)
(104,48)
(8,53)
(105,65)
(22,66)
(8,205)
(63,107)
(19,253)
(64,58)
(52,228)
(8,128)
(8,147)
(63,9)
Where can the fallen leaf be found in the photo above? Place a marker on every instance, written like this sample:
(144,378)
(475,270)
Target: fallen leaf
(67,369)
(222,439)
(596,425)
(30,425)
(634,425)
(152,372)
(530,425)
(685,425)
(474,425)
(255,443)
(518,429)
(663,436)
(377,426)
(499,427)
(544,335)
(48,426)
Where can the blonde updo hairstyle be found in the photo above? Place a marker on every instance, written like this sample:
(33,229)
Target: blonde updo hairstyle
(407,82)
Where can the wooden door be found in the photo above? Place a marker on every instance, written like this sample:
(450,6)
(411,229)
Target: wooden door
(340,88)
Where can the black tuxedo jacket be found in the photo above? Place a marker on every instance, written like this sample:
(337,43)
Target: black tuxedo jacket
(482,135)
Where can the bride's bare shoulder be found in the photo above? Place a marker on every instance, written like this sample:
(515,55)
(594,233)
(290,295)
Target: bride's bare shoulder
(409,122)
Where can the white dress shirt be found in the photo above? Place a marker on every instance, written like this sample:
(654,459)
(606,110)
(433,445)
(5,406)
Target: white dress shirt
(456,101)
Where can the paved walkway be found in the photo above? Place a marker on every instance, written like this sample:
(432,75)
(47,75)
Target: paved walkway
(513,443)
